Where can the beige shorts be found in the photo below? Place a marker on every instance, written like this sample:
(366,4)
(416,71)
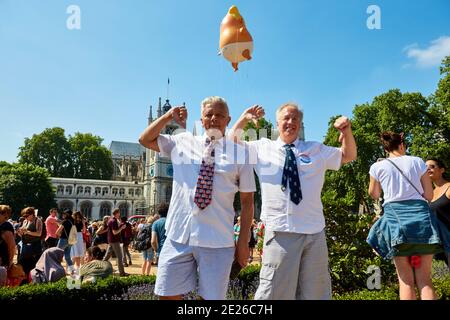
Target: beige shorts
(294,267)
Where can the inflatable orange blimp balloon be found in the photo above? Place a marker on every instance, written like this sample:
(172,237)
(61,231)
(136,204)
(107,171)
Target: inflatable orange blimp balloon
(236,43)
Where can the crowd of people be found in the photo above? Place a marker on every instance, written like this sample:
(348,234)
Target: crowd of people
(38,247)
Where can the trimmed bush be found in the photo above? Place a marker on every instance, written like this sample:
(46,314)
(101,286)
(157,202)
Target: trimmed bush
(141,288)
(441,285)
(102,289)
(390,293)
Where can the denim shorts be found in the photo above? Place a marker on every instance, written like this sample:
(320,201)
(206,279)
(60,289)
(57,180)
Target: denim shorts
(147,255)
(404,222)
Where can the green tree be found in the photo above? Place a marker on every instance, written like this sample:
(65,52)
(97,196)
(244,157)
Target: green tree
(433,140)
(24,185)
(91,160)
(80,156)
(348,209)
(50,150)
(263,129)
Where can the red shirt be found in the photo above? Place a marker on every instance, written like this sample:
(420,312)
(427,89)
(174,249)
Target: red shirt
(51,224)
(113,225)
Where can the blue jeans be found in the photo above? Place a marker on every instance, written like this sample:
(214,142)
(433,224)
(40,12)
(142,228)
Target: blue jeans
(64,245)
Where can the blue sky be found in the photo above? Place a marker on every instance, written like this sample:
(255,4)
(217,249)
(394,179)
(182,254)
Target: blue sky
(103,78)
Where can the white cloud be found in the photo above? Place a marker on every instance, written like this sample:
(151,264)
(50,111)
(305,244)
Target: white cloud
(431,56)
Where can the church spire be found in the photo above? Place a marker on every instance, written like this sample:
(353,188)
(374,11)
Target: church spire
(150,115)
(159,108)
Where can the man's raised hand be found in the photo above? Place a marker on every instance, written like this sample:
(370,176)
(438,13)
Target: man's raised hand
(342,124)
(254,113)
(179,115)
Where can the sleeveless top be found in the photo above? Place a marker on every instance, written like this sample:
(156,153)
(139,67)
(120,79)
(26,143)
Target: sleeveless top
(32,227)
(441,206)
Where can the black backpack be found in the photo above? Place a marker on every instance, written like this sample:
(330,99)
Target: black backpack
(143,239)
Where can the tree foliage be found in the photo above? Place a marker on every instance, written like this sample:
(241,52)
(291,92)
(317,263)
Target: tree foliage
(433,140)
(26,185)
(79,156)
(348,209)
(50,150)
(91,160)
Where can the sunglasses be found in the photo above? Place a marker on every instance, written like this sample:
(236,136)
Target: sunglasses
(431,166)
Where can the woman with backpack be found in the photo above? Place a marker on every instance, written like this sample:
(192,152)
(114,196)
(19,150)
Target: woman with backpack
(407,231)
(63,242)
(143,244)
(101,236)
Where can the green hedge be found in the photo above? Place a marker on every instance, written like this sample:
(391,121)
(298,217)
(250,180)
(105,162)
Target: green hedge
(441,285)
(103,289)
(390,293)
(117,288)
(109,288)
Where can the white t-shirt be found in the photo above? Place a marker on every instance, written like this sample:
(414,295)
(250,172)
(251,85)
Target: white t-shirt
(395,186)
(278,212)
(213,226)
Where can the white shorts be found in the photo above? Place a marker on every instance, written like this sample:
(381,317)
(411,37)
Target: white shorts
(181,265)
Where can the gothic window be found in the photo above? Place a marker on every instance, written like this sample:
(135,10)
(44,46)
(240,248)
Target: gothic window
(79,190)
(123,207)
(134,169)
(168,194)
(105,209)
(121,192)
(117,169)
(105,191)
(87,190)
(114,191)
(69,190)
(138,192)
(131,192)
(86,209)
(65,205)
(97,190)
(60,189)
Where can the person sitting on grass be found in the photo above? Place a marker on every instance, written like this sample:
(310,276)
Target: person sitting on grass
(49,268)
(95,267)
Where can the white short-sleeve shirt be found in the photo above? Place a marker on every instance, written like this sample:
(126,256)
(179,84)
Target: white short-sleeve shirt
(278,212)
(213,226)
(395,186)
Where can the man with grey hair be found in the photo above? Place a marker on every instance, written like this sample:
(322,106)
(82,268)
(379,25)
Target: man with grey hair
(199,227)
(291,173)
